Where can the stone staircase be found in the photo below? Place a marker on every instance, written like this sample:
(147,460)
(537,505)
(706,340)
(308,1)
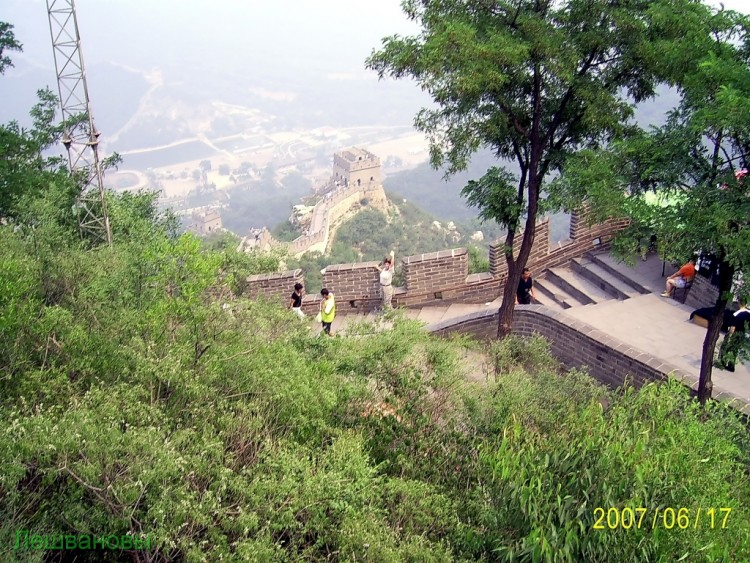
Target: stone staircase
(589,280)
(595,279)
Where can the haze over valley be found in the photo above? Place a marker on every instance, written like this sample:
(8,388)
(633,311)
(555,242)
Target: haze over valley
(215,104)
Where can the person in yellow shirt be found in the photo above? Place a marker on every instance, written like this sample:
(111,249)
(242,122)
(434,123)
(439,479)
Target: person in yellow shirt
(327,310)
(681,278)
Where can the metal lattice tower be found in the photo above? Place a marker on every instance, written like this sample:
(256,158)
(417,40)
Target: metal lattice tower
(80,136)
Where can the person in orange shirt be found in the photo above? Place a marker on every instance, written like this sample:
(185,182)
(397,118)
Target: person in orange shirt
(681,278)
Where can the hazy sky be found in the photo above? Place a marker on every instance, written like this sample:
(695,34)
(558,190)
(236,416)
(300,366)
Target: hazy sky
(327,34)
(265,40)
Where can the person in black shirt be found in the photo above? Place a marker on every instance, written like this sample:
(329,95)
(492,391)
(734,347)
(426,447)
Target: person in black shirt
(735,338)
(296,301)
(525,290)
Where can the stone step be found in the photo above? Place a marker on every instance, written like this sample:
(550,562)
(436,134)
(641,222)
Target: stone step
(577,286)
(620,270)
(602,278)
(544,299)
(412,313)
(556,293)
(496,302)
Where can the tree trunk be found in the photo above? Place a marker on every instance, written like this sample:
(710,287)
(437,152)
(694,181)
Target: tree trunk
(515,267)
(505,315)
(705,385)
(537,142)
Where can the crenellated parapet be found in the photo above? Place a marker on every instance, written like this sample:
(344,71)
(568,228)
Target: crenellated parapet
(277,285)
(539,250)
(443,277)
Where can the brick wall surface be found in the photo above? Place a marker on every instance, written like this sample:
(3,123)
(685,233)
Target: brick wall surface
(576,344)
(436,270)
(355,286)
(539,250)
(580,227)
(702,293)
(276,286)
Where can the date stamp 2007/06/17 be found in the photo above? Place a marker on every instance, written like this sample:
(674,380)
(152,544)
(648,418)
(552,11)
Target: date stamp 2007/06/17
(668,518)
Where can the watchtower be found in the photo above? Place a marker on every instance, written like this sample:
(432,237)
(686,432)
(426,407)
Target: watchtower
(356,167)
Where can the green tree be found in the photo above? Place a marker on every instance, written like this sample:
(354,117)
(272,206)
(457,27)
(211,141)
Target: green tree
(8,42)
(532,81)
(24,168)
(698,160)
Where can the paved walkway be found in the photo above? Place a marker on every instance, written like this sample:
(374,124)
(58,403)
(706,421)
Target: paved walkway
(660,327)
(650,323)
(427,315)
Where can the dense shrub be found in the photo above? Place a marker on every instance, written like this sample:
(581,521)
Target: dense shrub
(134,402)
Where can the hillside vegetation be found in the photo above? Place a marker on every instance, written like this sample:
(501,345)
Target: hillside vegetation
(143,397)
(134,402)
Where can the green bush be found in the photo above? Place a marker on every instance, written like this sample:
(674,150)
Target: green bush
(133,402)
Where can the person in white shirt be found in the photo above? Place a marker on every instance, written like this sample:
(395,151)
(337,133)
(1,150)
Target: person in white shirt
(386,280)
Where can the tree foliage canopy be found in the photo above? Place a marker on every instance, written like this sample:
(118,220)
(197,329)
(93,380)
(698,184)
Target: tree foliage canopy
(532,81)
(697,161)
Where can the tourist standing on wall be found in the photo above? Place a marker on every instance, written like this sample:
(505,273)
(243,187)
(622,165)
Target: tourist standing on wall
(386,280)
(525,290)
(327,310)
(296,300)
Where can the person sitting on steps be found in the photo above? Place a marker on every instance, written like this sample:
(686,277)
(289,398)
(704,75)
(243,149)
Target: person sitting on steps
(681,278)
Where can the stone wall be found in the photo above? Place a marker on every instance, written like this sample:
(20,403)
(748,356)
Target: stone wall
(581,227)
(277,286)
(355,286)
(302,243)
(576,344)
(539,250)
(332,208)
(583,238)
(702,293)
(443,276)
(435,270)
